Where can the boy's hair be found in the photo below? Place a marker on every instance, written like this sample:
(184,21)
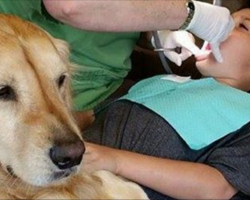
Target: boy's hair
(245,4)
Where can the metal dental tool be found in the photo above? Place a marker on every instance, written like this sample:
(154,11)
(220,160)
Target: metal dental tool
(160,50)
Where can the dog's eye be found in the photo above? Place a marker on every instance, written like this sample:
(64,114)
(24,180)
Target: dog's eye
(7,93)
(61,80)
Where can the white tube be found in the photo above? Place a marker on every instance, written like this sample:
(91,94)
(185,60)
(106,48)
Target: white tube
(217,2)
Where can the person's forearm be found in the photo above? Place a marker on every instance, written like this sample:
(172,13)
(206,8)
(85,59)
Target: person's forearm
(116,15)
(181,180)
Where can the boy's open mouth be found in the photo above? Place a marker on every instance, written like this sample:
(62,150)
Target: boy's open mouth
(206,50)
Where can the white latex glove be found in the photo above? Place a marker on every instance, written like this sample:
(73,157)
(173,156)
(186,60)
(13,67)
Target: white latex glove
(213,24)
(173,39)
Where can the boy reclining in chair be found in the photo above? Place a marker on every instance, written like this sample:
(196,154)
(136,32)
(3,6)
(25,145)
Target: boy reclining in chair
(182,138)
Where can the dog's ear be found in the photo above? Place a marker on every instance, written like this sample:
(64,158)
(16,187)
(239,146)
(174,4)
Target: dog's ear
(62,48)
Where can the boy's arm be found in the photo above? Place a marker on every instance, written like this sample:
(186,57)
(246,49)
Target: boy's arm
(178,179)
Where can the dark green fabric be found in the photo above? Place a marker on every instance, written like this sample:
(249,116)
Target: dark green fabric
(104,58)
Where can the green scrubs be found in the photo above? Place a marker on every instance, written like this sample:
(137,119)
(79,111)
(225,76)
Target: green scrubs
(104,58)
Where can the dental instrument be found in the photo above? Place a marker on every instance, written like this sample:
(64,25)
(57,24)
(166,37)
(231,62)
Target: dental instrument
(160,50)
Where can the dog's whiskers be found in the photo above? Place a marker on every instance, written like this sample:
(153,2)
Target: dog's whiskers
(64,174)
(29,189)
(14,182)
(3,181)
(21,184)
(9,178)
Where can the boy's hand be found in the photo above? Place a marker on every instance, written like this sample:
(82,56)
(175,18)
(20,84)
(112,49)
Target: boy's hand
(99,157)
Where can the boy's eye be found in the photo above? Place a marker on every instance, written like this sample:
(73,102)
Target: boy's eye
(244,27)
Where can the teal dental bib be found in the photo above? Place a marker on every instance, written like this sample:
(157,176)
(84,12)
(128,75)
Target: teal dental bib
(201,111)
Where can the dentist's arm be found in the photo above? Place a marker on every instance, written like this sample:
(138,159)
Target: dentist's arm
(210,23)
(116,15)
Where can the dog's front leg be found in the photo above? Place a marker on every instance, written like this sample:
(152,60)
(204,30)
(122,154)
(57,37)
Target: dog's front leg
(119,188)
(54,193)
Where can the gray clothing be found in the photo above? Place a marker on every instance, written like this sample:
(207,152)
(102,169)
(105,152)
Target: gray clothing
(130,126)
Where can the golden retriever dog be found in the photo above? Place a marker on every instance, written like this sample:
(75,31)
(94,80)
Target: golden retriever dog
(41,147)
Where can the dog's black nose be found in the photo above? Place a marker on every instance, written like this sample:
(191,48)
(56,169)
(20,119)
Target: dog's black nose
(65,156)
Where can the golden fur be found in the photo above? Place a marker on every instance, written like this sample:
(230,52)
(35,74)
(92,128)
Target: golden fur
(35,113)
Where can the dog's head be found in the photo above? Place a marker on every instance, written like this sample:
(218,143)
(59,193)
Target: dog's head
(39,140)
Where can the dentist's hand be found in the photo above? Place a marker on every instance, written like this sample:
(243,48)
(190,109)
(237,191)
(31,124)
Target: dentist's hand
(213,24)
(170,40)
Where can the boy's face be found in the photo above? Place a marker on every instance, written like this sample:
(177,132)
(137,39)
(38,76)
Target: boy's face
(235,51)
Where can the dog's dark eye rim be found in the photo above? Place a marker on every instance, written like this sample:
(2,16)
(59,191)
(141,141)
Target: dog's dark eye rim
(61,80)
(7,93)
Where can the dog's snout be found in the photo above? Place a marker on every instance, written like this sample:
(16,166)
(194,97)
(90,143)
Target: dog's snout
(65,156)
